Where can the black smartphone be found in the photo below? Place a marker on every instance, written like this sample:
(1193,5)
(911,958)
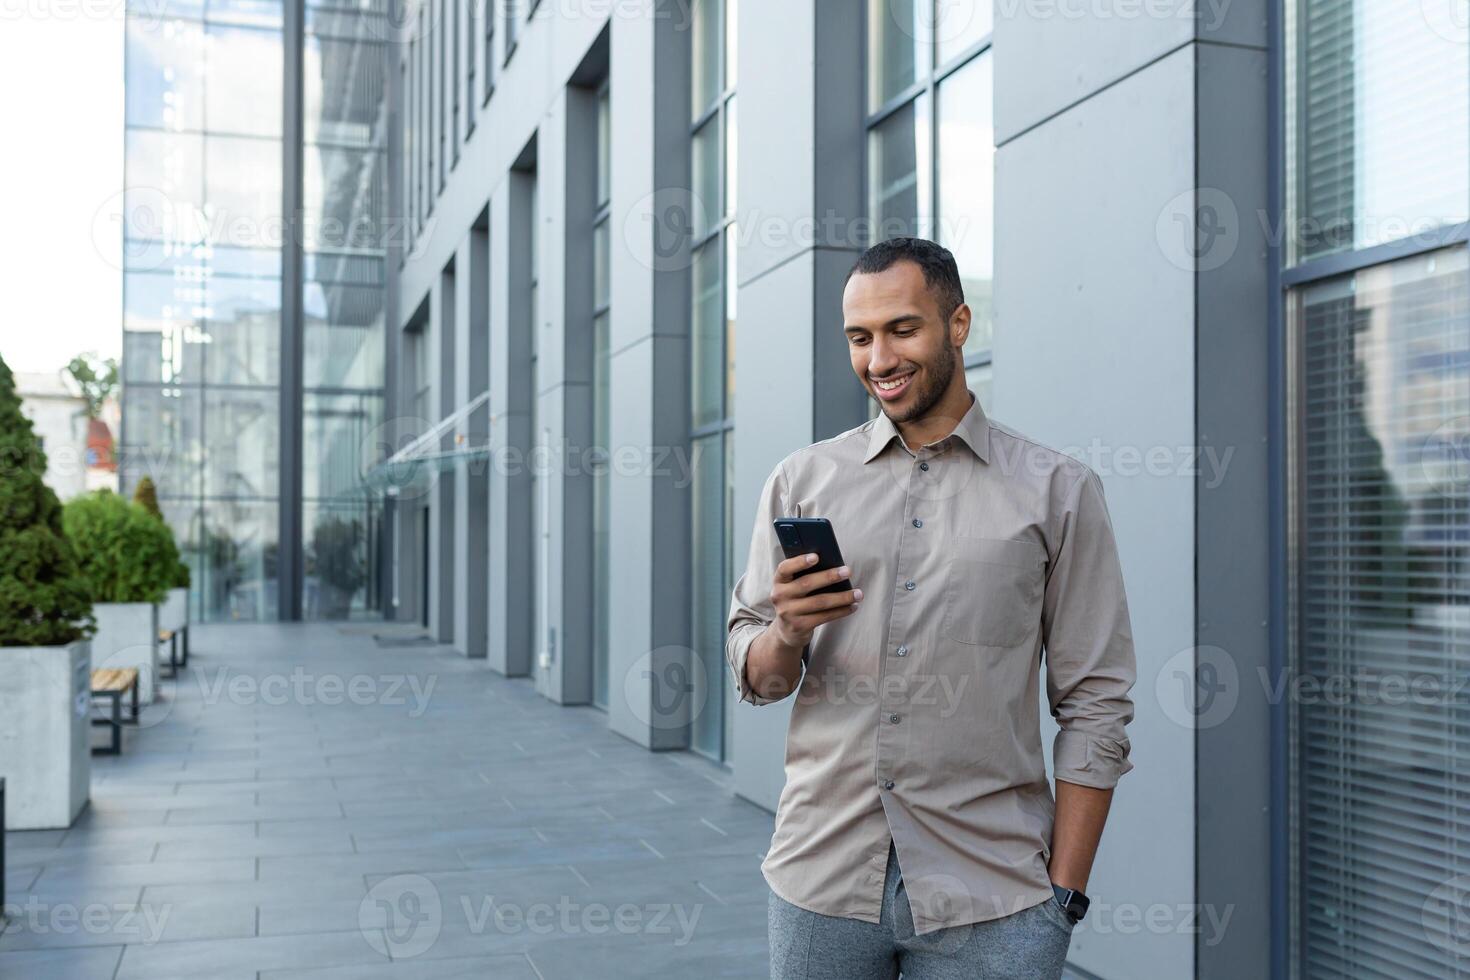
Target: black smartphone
(807,535)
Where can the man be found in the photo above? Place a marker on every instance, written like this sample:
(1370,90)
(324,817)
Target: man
(917,830)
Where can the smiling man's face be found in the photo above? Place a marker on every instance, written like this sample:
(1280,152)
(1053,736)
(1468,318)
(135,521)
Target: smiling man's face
(902,349)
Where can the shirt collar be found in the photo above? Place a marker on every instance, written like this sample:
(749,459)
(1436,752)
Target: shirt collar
(973,430)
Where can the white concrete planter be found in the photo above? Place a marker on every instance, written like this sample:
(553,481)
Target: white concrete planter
(173,614)
(127,636)
(45,734)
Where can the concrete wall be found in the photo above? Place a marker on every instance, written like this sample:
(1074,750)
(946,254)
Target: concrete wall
(1112,134)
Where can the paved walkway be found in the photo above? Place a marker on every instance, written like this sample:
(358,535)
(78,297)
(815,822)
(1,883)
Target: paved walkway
(309,804)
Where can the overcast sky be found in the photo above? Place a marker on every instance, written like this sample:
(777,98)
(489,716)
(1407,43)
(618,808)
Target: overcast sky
(61,72)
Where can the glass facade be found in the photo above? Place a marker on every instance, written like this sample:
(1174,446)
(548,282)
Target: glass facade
(204,248)
(931,144)
(202,292)
(345,189)
(712,344)
(1378,377)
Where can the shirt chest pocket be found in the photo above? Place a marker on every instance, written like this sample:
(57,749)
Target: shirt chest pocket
(993,592)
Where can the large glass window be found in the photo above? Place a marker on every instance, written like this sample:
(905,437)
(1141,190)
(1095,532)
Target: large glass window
(1378,109)
(601,402)
(712,344)
(931,143)
(489,45)
(431,129)
(472,42)
(1382,518)
(456,80)
(405,202)
(344,193)
(512,10)
(441,84)
(1379,488)
(202,294)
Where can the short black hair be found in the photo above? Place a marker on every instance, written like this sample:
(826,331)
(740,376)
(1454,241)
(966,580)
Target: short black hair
(941,274)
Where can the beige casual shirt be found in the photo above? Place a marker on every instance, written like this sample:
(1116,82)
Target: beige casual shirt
(917,718)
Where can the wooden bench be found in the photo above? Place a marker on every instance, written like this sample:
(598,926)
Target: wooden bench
(178,648)
(112,684)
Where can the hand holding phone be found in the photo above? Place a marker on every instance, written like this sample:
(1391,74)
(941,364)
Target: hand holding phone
(811,587)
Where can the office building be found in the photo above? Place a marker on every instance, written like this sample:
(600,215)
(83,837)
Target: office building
(1216,250)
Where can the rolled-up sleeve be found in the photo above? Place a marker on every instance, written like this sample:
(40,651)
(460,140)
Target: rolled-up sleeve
(1090,665)
(751,610)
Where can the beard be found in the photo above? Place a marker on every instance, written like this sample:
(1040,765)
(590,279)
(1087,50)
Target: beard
(936,377)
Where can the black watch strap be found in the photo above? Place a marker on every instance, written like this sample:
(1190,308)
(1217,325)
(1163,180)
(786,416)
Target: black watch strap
(1074,902)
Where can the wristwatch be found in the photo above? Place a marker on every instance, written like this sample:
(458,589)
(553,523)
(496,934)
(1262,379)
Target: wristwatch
(1073,902)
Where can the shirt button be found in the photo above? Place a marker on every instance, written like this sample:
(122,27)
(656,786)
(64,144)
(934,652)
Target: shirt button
(902,651)
(924,467)
(910,586)
(918,523)
(887,784)
(893,719)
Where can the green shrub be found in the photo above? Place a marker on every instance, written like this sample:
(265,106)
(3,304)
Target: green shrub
(335,555)
(145,495)
(125,553)
(43,598)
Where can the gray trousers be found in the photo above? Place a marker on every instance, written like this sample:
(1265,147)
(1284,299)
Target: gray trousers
(1028,945)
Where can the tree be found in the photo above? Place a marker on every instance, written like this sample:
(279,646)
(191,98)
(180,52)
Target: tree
(145,495)
(97,379)
(43,598)
(124,553)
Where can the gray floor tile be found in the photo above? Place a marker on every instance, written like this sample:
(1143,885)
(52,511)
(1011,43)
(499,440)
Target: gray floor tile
(79,963)
(514,966)
(282,839)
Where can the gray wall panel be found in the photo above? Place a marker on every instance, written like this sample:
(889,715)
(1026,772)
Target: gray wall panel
(769,425)
(441,507)
(1233,750)
(1049,55)
(1087,318)
(649,525)
(510,435)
